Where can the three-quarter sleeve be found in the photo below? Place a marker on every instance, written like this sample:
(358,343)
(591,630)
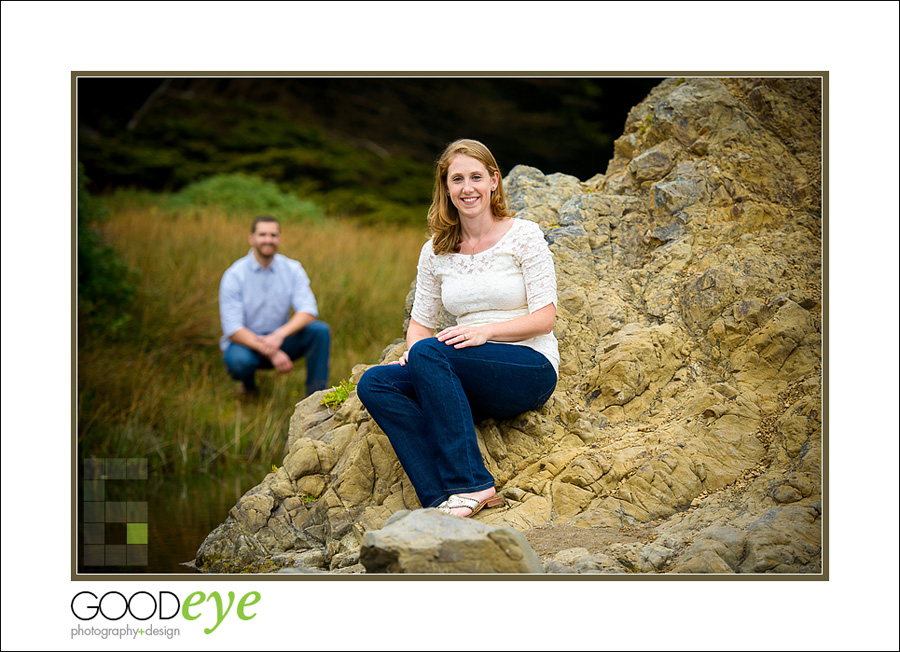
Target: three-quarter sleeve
(427,301)
(538,271)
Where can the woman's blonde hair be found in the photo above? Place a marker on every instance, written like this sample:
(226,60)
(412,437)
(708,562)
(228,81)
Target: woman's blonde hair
(443,218)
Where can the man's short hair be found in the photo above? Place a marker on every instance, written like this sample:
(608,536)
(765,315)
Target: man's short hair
(263,218)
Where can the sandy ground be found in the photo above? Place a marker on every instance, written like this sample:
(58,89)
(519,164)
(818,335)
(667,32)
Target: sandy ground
(549,539)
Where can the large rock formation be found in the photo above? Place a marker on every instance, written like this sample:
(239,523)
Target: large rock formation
(688,414)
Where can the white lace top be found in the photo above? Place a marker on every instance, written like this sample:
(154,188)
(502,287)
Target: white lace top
(513,278)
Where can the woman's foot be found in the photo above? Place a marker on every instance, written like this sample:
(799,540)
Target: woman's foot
(477,500)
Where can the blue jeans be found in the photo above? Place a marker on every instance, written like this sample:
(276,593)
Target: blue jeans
(428,408)
(313,343)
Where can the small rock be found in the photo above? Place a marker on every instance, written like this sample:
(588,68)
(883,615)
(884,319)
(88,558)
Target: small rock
(787,494)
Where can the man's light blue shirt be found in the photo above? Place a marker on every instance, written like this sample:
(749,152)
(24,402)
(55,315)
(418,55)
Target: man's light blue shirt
(258,298)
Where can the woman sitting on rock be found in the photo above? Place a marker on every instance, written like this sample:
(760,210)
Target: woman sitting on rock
(495,274)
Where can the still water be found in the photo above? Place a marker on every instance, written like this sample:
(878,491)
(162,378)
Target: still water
(180,513)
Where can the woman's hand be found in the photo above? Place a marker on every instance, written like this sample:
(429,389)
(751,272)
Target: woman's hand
(539,322)
(402,360)
(414,333)
(461,337)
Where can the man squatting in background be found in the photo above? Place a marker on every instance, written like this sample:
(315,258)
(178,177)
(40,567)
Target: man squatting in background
(256,296)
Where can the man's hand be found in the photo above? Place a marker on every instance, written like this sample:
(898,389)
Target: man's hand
(269,344)
(281,361)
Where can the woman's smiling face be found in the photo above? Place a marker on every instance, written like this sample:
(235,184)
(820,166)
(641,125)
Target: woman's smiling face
(470,184)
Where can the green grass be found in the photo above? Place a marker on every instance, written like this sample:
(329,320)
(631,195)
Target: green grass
(158,389)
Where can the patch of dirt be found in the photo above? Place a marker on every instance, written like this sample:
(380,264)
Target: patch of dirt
(549,539)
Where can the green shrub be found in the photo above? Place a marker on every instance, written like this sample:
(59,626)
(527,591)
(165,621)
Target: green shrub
(244,194)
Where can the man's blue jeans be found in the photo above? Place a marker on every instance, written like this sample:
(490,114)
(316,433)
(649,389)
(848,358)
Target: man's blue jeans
(427,408)
(313,343)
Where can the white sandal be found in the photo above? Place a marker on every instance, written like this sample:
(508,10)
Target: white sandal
(457,501)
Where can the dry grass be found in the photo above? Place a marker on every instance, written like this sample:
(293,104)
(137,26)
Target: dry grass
(162,392)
